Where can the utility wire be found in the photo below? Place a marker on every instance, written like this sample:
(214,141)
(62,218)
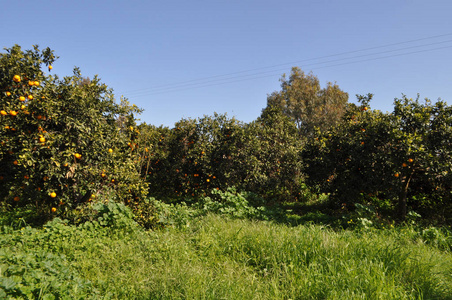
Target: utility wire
(277,74)
(228,78)
(177,87)
(295,62)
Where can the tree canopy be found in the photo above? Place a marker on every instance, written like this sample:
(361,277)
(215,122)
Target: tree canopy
(308,104)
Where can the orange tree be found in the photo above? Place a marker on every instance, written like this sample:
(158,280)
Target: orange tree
(60,143)
(215,152)
(189,158)
(391,160)
(268,157)
(153,154)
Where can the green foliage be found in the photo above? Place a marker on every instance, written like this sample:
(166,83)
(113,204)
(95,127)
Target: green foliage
(218,257)
(307,104)
(439,237)
(176,215)
(271,157)
(197,156)
(54,147)
(397,156)
(114,215)
(39,274)
(233,203)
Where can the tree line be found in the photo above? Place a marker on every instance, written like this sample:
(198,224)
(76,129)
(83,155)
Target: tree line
(67,142)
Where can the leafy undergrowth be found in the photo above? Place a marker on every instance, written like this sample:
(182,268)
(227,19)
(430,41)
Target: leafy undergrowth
(213,256)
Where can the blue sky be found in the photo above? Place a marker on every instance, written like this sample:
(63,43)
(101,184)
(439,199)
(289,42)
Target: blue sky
(181,59)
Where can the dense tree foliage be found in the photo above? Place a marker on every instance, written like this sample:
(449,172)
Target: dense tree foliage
(215,152)
(307,104)
(65,142)
(60,145)
(387,159)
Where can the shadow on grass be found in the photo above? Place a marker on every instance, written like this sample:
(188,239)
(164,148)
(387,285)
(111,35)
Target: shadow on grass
(319,212)
(22,217)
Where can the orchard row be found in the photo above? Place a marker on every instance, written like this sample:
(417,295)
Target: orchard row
(65,142)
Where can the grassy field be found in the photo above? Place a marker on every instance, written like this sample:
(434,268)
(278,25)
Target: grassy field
(216,257)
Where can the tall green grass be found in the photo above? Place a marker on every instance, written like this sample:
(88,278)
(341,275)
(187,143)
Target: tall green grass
(215,257)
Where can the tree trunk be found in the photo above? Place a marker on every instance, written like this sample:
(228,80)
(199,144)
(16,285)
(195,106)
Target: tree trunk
(402,207)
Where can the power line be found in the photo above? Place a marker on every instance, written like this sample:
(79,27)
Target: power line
(228,78)
(277,74)
(295,62)
(178,87)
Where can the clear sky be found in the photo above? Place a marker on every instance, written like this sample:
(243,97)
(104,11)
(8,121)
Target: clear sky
(181,59)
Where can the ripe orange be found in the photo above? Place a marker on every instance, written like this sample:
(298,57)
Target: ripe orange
(3,113)
(410,160)
(36,83)
(396,175)
(8,93)
(77,155)
(16,78)
(30,97)
(404,165)
(31,83)
(103,175)
(22,98)
(110,150)
(13,113)
(50,67)
(15,162)
(42,139)
(53,194)
(22,107)
(16,198)
(365,108)
(54,209)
